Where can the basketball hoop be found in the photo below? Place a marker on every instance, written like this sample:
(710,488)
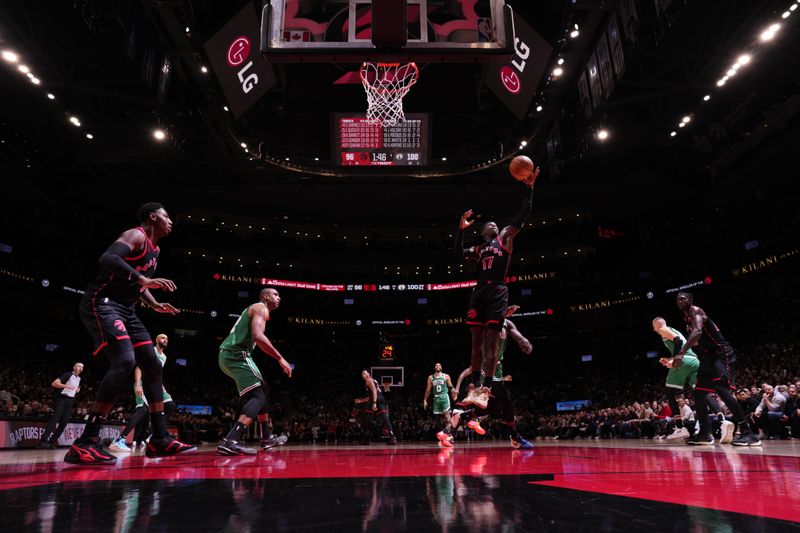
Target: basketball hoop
(386,84)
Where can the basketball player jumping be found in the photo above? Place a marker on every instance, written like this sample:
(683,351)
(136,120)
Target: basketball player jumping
(107,310)
(499,404)
(715,373)
(236,362)
(440,384)
(489,298)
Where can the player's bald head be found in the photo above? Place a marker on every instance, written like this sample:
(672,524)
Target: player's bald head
(269,291)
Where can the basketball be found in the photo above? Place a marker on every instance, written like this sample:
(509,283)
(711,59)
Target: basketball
(521,167)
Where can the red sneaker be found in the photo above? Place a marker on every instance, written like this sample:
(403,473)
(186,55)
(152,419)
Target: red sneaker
(475,426)
(444,439)
(165,447)
(92,453)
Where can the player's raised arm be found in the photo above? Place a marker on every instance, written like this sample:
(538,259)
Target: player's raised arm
(459,252)
(517,223)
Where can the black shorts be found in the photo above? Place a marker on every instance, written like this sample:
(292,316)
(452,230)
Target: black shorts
(716,368)
(487,306)
(382,407)
(112,325)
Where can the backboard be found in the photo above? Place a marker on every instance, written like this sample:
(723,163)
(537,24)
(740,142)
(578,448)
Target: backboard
(342,31)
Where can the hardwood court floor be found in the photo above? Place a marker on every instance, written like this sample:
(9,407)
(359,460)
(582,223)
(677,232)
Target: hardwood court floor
(577,486)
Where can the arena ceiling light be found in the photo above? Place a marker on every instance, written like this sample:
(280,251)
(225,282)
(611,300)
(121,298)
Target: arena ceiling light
(603,135)
(35,81)
(10,56)
(89,136)
(51,96)
(557,72)
(706,98)
(575,32)
(743,59)
(159,134)
(204,69)
(769,33)
(539,108)
(75,121)
(686,119)
(24,69)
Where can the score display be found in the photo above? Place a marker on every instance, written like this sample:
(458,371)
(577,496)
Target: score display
(356,142)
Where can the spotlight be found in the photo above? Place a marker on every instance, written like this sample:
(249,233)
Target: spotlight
(23,69)
(317,159)
(225,107)
(75,121)
(35,81)
(794,6)
(731,72)
(602,134)
(769,33)
(560,61)
(10,56)
(204,69)
(45,283)
(574,34)
(51,96)
(786,14)
(187,29)
(159,135)
(89,136)
(686,119)
(30,75)
(243,145)
(682,124)
(539,108)
(444,159)
(523,143)
(558,71)
(706,98)
(721,82)
(743,59)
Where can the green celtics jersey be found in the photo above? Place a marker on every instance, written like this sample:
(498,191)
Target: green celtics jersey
(240,339)
(163,360)
(501,349)
(439,386)
(140,399)
(671,345)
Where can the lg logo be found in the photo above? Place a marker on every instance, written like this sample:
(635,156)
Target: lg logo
(238,52)
(510,77)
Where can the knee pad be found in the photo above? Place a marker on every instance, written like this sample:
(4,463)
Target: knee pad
(256,400)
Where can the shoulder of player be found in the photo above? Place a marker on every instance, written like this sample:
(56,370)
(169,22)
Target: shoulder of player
(133,237)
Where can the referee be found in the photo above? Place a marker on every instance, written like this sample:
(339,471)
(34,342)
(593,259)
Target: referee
(66,386)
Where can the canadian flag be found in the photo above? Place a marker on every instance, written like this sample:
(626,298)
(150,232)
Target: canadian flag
(297,36)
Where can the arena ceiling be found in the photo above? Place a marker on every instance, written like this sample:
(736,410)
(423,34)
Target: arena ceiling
(99,59)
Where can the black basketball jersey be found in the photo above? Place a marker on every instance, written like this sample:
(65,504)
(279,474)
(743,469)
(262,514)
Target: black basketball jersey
(377,388)
(493,261)
(122,289)
(711,340)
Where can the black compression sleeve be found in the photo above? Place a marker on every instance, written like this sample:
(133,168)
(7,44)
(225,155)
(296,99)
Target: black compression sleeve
(527,206)
(678,344)
(113,260)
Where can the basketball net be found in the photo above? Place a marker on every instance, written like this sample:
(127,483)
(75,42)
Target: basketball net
(386,84)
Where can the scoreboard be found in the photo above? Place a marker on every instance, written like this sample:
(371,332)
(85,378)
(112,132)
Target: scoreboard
(360,143)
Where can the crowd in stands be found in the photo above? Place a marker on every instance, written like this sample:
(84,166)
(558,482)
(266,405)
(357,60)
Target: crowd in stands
(768,376)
